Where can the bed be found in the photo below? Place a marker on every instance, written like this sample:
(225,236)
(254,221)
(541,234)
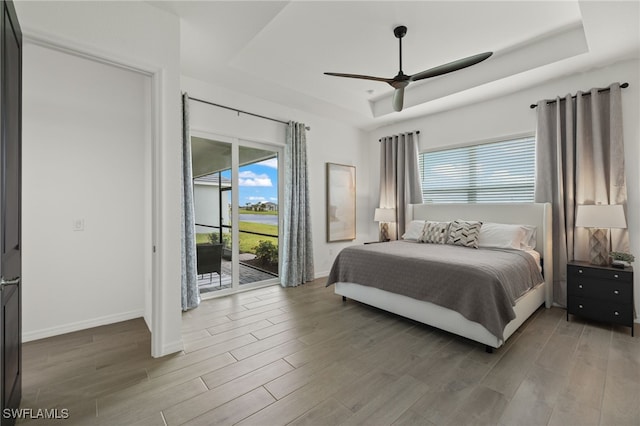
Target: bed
(492,335)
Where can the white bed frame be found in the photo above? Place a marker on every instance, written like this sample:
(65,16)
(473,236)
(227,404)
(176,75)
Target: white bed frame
(536,214)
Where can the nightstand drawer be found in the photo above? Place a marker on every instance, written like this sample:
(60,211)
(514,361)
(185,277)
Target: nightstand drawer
(601,293)
(600,310)
(609,290)
(600,273)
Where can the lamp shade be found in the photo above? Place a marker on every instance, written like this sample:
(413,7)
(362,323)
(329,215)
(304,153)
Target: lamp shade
(600,216)
(384,215)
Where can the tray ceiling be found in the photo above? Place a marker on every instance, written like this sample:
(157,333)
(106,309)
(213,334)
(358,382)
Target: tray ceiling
(279,50)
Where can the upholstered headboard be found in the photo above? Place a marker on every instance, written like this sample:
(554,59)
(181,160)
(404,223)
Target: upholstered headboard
(536,214)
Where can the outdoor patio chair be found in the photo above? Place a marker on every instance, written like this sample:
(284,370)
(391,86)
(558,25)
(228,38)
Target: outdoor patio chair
(209,260)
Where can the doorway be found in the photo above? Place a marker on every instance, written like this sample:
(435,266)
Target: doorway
(236,196)
(88,212)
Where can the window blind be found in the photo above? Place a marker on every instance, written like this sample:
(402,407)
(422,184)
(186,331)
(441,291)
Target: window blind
(487,173)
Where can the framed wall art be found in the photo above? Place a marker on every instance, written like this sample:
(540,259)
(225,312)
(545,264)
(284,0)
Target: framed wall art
(341,202)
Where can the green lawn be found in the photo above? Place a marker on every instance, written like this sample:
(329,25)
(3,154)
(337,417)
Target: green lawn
(245,211)
(202,238)
(248,241)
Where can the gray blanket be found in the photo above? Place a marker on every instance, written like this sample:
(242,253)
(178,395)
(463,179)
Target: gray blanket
(481,284)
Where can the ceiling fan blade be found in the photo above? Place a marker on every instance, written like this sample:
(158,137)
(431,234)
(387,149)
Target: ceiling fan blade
(362,77)
(398,99)
(451,66)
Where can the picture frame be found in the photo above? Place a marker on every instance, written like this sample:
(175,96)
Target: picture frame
(340,202)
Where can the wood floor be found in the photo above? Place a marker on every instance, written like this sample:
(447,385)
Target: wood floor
(303,357)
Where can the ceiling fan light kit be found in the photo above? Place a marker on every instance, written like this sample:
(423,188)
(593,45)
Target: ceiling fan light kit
(402,80)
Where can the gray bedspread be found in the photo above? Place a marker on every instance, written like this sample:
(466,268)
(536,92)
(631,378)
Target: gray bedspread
(481,284)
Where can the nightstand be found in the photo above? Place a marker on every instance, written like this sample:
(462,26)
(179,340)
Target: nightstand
(601,293)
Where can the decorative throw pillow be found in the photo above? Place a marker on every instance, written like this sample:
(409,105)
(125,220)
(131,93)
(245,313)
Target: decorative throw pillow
(464,233)
(435,233)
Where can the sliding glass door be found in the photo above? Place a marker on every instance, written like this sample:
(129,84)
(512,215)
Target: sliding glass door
(236,193)
(212,193)
(258,214)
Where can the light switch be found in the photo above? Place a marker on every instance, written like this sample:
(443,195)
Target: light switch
(78,225)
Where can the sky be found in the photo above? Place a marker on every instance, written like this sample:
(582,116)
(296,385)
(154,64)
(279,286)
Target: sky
(258,182)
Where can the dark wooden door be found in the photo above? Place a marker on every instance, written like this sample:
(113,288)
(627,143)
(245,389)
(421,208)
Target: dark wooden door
(10,212)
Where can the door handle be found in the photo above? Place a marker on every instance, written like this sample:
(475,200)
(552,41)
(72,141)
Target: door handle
(12,281)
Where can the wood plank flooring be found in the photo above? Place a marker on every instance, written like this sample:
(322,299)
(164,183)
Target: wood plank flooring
(301,356)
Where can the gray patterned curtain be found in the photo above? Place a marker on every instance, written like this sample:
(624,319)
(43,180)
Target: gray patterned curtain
(297,247)
(189,277)
(579,160)
(399,177)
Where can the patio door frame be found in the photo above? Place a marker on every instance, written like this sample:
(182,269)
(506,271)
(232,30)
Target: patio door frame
(236,143)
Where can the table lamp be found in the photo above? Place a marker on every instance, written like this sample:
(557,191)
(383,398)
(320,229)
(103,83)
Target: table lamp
(599,218)
(384,216)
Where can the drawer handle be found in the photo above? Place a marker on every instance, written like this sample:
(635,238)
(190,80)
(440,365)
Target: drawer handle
(616,292)
(579,285)
(616,313)
(580,306)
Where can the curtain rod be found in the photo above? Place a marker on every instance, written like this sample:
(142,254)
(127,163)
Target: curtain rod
(622,86)
(417,132)
(239,111)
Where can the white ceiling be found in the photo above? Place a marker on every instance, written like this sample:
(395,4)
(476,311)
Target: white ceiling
(279,50)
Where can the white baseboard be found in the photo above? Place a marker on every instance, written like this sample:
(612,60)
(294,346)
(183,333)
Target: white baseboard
(170,348)
(321,274)
(80,325)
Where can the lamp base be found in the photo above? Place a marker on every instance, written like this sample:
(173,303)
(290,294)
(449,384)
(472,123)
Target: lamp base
(598,247)
(384,231)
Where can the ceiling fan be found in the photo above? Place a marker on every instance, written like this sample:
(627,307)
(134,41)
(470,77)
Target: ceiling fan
(402,80)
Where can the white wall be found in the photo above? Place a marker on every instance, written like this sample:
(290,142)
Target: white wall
(142,37)
(327,141)
(510,115)
(207,207)
(85,149)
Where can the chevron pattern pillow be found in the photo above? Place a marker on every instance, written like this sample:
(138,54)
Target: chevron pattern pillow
(435,233)
(464,233)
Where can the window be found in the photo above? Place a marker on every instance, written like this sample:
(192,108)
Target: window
(486,173)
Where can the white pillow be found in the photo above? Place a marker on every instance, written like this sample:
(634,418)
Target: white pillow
(502,235)
(414,230)
(529,241)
